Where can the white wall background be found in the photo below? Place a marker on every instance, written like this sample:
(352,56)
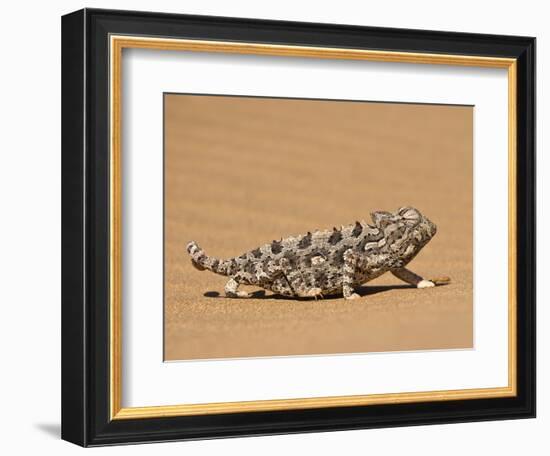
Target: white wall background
(30,226)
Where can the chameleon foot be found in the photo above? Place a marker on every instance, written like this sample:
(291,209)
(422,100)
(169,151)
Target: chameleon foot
(237,294)
(352,296)
(425,284)
(312,293)
(231,290)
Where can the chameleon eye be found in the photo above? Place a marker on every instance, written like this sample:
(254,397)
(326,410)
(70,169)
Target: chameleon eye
(411,216)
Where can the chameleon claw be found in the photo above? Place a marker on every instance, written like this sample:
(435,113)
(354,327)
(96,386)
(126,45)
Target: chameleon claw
(443,280)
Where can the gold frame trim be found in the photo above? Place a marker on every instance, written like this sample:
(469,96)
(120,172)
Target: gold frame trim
(117,44)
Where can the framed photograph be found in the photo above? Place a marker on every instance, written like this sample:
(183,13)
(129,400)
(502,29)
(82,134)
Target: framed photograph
(278,227)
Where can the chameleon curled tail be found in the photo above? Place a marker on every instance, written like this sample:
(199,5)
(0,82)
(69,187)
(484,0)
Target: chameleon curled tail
(202,261)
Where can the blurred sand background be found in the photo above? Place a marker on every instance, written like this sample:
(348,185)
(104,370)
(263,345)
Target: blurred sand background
(240,172)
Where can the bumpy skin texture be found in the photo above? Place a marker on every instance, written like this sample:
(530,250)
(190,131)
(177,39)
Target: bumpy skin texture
(329,261)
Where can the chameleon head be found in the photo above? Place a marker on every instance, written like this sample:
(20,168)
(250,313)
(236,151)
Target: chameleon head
(422,229)
(405,231)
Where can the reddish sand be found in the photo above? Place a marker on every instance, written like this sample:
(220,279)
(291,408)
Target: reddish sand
(244,171)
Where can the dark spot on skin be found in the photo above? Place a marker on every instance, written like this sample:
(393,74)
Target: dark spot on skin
(307,280)
(361,246)
(284,265)
(338,258)
(265,263)
(215,264)
(321,279)
(238,278)
(249,267)
(335,237)
(233,267)
(276,247)
(243,256)
(357,230)
(305,242)
(256,253)
(291,258)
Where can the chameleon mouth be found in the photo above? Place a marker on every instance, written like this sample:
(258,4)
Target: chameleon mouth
(431,228)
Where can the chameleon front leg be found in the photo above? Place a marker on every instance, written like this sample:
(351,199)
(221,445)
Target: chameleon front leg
(411,278)
(232,291)
(348,274)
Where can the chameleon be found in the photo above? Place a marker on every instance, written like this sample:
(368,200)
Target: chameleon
(323,262)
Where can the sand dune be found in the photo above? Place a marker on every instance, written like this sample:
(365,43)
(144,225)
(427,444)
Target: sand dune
(243,171)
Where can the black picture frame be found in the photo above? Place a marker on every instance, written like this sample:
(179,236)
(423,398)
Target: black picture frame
(85,228)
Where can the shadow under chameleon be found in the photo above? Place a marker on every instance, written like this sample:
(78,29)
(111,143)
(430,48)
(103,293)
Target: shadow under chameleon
(361,291)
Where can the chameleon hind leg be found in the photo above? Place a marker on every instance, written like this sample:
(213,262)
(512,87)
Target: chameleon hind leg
(232,290)
(279,277)
(411,278)
(298,282)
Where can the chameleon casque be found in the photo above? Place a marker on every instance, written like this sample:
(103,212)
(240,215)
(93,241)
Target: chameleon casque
(329,261)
